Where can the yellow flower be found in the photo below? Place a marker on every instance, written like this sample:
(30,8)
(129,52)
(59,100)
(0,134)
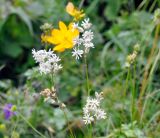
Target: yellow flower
(62,38)
(73,11)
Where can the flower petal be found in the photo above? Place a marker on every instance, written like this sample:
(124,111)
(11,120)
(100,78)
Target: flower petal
(70,8)
(62,26)
(59,48)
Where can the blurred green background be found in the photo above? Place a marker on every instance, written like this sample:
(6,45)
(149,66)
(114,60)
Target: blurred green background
(117,24)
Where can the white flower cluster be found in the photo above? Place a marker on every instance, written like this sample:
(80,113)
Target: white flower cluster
(48,61)
(83,42)
(92,110)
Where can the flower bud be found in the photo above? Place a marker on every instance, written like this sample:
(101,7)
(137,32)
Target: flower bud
(157,16)
(62,105)
(14,108)
(137,48)
(127,65)
(46,27)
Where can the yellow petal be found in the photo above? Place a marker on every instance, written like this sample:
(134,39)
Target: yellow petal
(70,26)
(59,48)
(57,36)
(68,44)
(55,32)
(70,8)
(62,26)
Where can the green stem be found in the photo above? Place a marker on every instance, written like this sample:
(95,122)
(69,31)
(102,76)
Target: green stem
(133,94)
(29,124)
(65,115)
(81,4)
(52,80)
(150,83)
(90,131)
(52,84)
(152,6)
(149,62)
(126,83)
(87,78)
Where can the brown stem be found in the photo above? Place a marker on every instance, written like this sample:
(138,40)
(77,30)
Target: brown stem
(149,63)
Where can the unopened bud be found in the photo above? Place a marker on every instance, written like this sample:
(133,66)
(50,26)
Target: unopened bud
(14,108)
(127,65)
(157,16)
(63,105)
(137,48)
(46,27)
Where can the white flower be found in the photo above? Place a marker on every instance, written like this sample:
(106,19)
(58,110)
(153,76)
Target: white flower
(88,35)
(86,24)
(89,45)
(44,68)
(40,56)
(48,61)
(85,110)
(100,114)
(88,119)
(84,40)
(77,53)
(76,26)
(92,103)
(78,41)
(99,96)
(92,110)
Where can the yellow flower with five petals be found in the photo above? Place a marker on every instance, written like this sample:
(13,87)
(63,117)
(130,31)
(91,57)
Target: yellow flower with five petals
(62,38)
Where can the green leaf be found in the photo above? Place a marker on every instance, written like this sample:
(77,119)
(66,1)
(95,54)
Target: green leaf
(12,50)
(113,8)
(22,14)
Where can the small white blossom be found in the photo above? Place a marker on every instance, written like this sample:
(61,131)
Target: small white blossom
(92,103)
(77,53)
(78,41)
(88,119)
(85,110)
(88,35)
(100,114)
(89,45)
(44,68)
(86,24)
(99,96)
(76,26)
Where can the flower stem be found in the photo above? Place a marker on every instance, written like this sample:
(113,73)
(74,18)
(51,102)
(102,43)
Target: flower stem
(81,4)
(126,83)
(149,62)
(65,115)
(133,93)
(29,124)
(90,135)
(87,78)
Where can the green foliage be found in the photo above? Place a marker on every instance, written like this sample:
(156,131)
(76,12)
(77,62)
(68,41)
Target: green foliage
(118,25)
